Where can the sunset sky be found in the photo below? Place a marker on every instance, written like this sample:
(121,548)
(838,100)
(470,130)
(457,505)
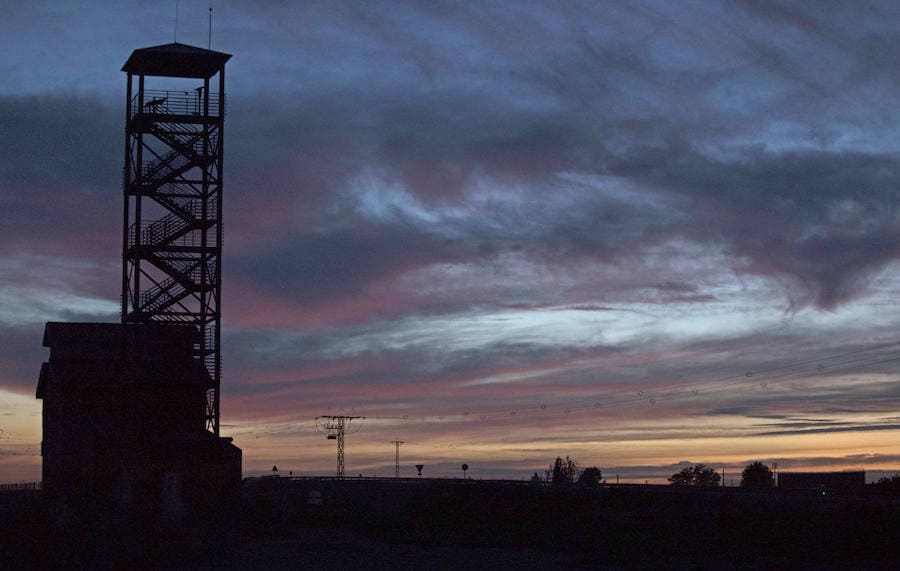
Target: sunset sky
(638,233)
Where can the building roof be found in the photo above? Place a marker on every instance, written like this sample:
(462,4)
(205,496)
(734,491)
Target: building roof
(105,340)
(95,355)
(175,60)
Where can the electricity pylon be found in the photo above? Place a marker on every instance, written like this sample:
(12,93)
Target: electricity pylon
(334,428)
(397,444)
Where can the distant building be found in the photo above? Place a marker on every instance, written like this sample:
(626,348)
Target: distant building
(822,480)
(125,444)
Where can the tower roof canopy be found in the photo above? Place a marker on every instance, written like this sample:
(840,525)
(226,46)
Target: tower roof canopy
(175,60)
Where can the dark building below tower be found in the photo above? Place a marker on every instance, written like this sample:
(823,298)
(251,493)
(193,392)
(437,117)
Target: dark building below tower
(125,447)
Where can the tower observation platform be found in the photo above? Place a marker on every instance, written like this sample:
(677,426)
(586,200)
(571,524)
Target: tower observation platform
(172,242)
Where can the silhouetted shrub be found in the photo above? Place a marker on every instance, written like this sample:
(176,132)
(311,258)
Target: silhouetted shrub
(698,475)
(757,475)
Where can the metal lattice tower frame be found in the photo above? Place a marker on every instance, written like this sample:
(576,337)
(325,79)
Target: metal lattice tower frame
(172,236)
(396,444)
(335,428)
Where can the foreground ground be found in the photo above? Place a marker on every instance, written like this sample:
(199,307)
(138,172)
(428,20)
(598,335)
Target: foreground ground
(314,549)
(328,524)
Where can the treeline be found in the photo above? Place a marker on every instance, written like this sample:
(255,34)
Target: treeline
(567,473)
(754,475)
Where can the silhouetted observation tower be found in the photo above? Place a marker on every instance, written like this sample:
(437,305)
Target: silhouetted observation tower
(172,243)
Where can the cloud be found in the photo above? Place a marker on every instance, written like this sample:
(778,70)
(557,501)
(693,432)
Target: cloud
(829,429)
(21,355)
(41,288)
(821,219)
(61,175)
(437,209)
(815,220)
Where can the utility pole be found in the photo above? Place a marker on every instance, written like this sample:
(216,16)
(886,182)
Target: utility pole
(334,428)
(396,444)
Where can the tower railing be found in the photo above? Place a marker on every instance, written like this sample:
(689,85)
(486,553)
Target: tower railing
(169,291)
(171,102)
(176,162)
(172,227)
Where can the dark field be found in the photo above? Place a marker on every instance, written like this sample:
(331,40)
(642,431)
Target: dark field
(456,524)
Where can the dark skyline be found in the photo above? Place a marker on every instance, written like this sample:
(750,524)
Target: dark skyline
(634,233)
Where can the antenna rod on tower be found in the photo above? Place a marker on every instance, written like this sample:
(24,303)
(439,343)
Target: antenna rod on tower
(209,46)
(176,21)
